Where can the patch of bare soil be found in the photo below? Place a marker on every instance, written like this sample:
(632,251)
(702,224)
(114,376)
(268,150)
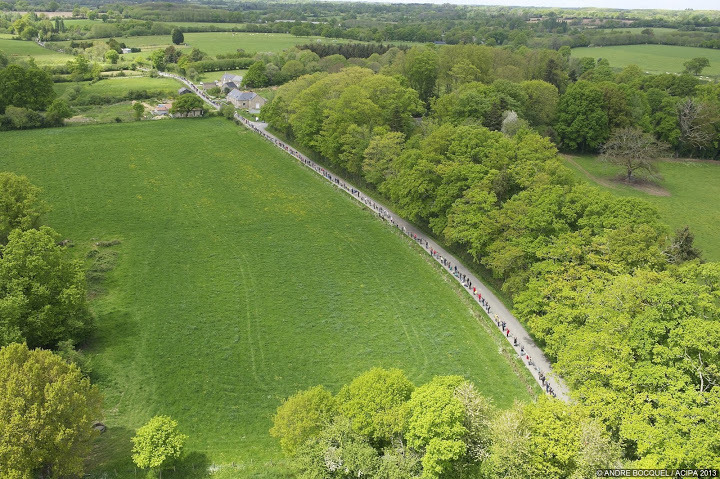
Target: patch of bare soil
(639,184)
(646,186)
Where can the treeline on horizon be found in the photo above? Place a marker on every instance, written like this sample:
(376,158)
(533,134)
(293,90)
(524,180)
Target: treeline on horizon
(623,306)
(451,24)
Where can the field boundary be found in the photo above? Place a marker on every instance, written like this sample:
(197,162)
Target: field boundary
(532,356)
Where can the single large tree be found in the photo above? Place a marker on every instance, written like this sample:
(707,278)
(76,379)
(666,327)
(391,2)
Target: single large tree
(185,104)
(157,444)
(634,150)
(47,409)
(177,36)
(42,292)
(695,66)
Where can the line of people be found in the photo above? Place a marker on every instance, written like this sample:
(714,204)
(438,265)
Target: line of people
(385,215)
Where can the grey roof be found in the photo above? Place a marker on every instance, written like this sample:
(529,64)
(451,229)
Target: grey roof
(229,86)
(228,77)
(184,90)
(241,95)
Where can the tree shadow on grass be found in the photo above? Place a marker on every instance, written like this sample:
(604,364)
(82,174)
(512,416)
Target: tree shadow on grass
(192,465)
(111,454)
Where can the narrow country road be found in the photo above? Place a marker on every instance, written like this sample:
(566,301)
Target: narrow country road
(531,355)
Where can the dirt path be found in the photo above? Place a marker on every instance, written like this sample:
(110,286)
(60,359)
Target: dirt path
(532,356)
(645,187)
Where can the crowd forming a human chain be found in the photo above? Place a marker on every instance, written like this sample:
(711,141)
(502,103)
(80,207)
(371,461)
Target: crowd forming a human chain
(385,215)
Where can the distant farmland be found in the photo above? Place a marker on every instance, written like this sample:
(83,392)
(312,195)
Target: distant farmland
(652,58)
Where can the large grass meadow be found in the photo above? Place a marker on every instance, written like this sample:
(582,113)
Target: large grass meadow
(241,277)
(693,188)
(22,50)
(652,58)
(214,43)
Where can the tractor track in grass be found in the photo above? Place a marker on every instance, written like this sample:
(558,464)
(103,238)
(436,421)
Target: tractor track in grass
(533,358)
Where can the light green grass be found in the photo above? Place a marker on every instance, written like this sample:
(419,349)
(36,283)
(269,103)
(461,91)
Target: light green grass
(22,50)
(215,43)
(694,187)
(652,58)
(242,277)
(118,86)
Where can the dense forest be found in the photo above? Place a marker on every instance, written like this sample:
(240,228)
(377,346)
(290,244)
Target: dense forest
(621,304)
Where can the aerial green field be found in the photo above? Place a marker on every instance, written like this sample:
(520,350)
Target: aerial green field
(214,43)
(241,277)
(24,49)
(694,187)
(652,58)
(118,86)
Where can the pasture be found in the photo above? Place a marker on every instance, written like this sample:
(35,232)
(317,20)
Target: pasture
(23,50)
(694,187)
(118,86)
(652,58)
(241,277)
(215,43)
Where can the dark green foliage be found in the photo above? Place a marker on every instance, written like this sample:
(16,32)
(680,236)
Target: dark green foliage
(695,66)
(256,76)
(177,36)
(185,104)
(22,87)
(348,50)
(582,122)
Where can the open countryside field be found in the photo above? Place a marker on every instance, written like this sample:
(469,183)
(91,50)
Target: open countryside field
(217,42)
(22,50)
(119,86)
(652,58)
(241,278)
(694,187)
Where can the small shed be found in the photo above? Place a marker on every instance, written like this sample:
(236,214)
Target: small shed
(162,109)
(184,91)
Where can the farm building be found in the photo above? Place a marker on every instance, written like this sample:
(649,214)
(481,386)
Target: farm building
(230,78)
(162,109)
(184,91)
(247,100)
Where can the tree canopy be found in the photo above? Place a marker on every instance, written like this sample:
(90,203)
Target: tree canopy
(42,291)
(48,408)
(20,205)
(157,444)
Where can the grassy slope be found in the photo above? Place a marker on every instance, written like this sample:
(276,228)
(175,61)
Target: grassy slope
(214,43)
(652,58)
(23,50)
(694,188)
(119,86)
(242,278)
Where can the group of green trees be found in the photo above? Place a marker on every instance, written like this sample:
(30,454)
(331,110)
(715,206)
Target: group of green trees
(381,425)
(42,291)
(606,288)
(26,91)
(577,102)
(48,404)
